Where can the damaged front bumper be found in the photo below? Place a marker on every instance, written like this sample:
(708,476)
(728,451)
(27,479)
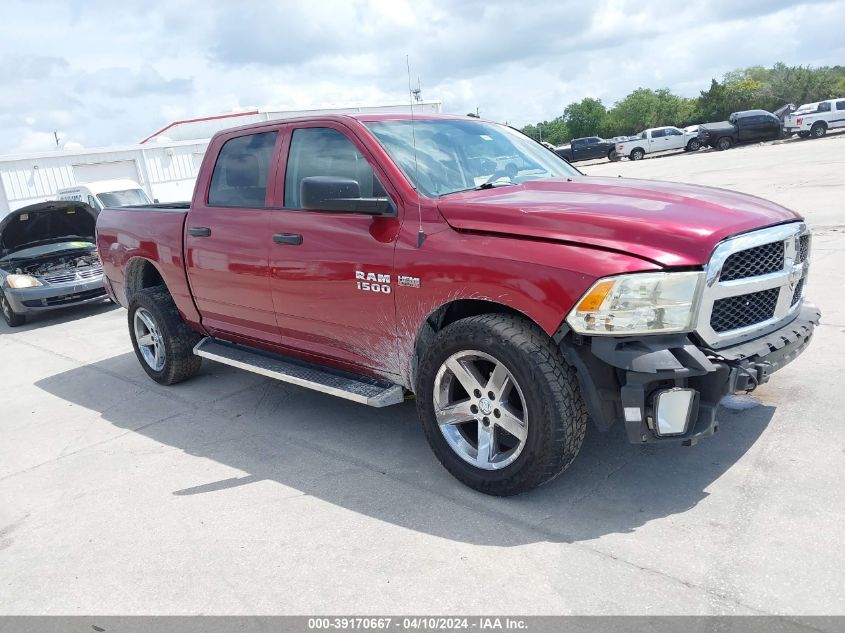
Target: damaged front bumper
(624,379)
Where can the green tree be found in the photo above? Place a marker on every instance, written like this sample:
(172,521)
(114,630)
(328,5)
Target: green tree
(554,131)
(754,87)
(645,108)
(584,118)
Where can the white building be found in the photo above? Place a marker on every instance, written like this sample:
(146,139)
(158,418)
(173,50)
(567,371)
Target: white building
(165,163)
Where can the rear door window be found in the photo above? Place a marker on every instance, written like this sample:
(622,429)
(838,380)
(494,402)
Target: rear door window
(241,172)
(658,133)
(840,105)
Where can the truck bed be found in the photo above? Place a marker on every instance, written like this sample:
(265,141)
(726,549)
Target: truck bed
(154,232)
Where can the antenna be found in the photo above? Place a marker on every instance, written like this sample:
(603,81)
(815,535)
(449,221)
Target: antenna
(420,233)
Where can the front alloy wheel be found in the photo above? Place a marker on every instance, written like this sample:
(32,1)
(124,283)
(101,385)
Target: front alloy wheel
(499,406)
(480,409)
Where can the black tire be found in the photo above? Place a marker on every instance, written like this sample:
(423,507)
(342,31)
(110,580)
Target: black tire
(612,156)
(694,145)
(804,134)
(12,318)
(818,130)
(724,143)
(637,154)
(180,363)
(556,414)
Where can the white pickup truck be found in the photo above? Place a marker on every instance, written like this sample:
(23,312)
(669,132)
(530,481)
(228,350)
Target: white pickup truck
(815,119)
(658,139)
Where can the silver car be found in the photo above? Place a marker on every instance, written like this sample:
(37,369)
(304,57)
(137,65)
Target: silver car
(48,259)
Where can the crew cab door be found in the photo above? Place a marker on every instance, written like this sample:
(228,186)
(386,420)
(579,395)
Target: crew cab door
(226,237)
(591,148)
(579,149)
(753,128)
(331,272)
(674,138)
(657,140)
(838,118)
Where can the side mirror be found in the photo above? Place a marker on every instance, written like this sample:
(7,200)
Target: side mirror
(339,195)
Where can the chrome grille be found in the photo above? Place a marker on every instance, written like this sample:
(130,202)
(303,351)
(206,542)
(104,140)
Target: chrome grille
(731,313)
(753,284)
(803,248)
(760,260)
(73,275)
(796,296)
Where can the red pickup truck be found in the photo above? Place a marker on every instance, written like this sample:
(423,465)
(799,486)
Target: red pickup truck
(374,256)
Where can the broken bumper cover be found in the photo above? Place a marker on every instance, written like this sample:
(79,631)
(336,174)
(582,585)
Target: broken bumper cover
(622,377)
(53,296)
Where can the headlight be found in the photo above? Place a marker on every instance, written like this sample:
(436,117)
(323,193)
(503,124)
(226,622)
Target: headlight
(22,281)
(641,303)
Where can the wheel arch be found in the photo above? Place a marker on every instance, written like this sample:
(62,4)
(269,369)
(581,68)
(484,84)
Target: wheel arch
(141,273)
(452,311)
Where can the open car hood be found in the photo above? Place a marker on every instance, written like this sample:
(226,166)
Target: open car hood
(671,224)
(44,222)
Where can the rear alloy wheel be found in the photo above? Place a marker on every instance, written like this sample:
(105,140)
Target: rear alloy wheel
(694,145)
(162,341)
(818,130)
(148,338)
(499,406)
(12,318)
(804,134)
(637,154)
(612,156)
(724,143)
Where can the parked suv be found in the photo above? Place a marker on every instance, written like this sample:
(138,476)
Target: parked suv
(372,257)
(749,126)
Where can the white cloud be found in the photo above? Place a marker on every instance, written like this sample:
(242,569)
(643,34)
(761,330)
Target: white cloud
(110,73)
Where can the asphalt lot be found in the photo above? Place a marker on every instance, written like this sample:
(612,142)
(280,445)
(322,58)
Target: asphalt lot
(235,494)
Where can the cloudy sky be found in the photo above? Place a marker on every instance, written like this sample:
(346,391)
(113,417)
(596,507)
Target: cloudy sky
(105,72)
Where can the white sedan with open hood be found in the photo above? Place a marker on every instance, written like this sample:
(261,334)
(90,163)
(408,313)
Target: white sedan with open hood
(48,259)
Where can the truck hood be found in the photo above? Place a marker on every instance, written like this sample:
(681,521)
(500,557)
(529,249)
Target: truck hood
(671,224)
(46,222)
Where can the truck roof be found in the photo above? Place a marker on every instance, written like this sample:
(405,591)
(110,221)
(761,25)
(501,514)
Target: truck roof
(362,117)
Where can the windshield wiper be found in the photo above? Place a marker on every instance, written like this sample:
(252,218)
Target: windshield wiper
(481,187)
(492,185)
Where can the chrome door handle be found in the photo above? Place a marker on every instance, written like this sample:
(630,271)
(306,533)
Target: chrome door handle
(288,238)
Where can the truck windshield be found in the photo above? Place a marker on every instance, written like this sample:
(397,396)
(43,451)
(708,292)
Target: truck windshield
(124,198)
(458,155)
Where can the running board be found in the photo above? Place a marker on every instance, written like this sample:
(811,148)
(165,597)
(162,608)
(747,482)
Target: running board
(369,391)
